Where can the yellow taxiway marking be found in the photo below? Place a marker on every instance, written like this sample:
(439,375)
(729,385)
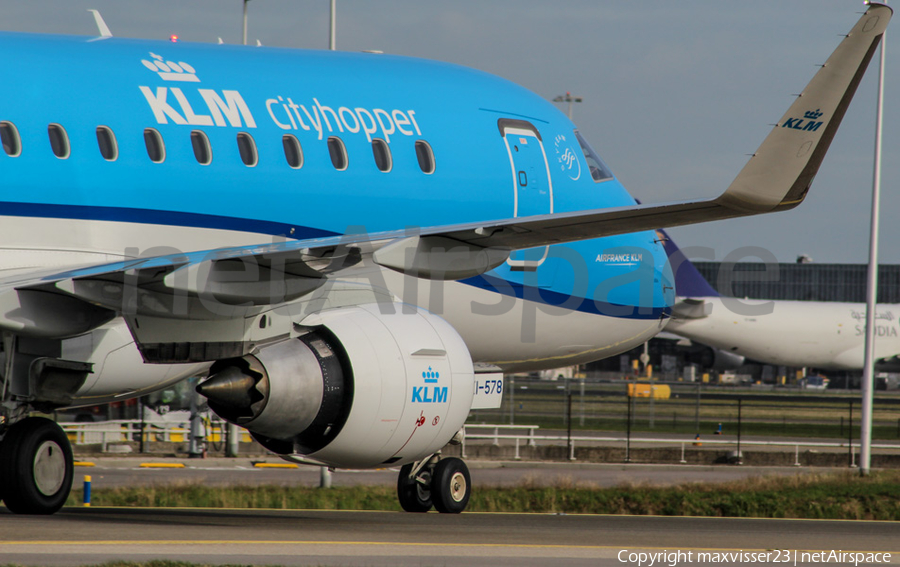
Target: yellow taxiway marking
(162,465)
(525,514)
(83,464)
(388,543)
(276,465)
(278,542)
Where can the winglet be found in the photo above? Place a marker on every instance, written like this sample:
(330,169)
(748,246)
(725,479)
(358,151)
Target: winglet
(101,25)
(781,171)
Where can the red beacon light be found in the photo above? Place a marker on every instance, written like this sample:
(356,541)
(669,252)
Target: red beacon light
(173,38)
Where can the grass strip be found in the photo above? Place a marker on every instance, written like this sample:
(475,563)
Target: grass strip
(686,425)
(815,496)
(152,563)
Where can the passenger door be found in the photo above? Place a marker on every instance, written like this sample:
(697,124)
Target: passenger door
(532,187)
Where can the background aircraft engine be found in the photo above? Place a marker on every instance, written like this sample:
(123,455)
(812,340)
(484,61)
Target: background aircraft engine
(724,360)
(713,358)
(363,388)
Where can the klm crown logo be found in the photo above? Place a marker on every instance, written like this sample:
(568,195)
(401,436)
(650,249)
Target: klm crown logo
(812,114)
(170,70)
(430,376)
(809,122)
(430,394)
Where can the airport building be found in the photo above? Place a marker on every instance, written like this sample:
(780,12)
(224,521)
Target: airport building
(800,281)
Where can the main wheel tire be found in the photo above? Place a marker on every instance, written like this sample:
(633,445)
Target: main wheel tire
(36,467)
(451,486)
(414,496)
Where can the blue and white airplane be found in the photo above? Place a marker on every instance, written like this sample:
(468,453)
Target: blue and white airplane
(351,247)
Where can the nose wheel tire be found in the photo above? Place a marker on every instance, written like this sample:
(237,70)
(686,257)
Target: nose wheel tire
(451,486)
(36,467)
(414,493)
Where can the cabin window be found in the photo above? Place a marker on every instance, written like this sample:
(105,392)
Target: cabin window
(156,149)
(425,156)
(338,153)
(293,153)
(382,153)
(202,150)
(59,141)
(247,147)
(9,136)
(106,141)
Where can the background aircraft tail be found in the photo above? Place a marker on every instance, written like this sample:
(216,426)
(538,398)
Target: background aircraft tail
(688,280)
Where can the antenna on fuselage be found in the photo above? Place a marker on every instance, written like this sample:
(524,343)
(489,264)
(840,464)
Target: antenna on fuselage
(101,25)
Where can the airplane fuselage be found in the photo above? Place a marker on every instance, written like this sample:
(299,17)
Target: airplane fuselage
(128,148)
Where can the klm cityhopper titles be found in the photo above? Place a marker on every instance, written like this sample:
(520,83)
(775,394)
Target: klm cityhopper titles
(351,248)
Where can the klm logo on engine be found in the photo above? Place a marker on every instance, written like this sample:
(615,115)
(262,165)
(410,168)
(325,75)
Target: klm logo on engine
(431,393)
(809,122)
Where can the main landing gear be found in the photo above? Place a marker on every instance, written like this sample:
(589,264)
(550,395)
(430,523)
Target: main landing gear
(36,467)
(444,484)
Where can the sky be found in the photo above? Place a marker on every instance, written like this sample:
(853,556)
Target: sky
(677,95)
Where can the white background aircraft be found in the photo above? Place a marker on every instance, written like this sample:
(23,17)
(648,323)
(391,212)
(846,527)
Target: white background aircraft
(804,334)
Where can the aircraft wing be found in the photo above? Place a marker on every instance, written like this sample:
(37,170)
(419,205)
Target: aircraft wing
(777,177)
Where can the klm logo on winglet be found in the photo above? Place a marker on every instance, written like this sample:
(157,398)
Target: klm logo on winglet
(430,394)
(808,123)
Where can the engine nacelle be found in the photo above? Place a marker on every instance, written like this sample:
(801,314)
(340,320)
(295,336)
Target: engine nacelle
(712,358)
(362,389)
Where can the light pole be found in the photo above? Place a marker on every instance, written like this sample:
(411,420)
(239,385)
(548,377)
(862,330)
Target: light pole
(245,21)
(332,40)
(868,380)
(569,99)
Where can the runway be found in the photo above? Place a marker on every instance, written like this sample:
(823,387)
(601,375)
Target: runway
(84,536)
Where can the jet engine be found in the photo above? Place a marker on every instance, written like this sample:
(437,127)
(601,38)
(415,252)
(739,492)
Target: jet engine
(721,360)
(712,358)
(366,386)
